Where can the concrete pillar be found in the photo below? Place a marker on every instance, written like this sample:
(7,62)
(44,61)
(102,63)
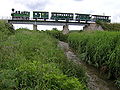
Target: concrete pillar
(34,27)
(65,29)
(92,26)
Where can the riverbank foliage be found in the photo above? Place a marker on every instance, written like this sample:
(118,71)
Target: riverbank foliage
(57,34)
(32,60)
(5,30)
(100,49)
(110,26)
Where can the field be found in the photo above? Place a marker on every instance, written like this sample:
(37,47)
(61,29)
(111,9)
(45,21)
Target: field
(100,49)
(32,60)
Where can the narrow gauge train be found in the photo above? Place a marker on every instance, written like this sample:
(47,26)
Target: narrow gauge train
(83,17)
(100,18)
(62,16)
(20,15)
(40,15)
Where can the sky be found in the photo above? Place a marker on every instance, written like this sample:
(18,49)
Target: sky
(99,7)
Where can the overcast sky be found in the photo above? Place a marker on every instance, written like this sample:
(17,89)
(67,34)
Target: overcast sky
(100,7)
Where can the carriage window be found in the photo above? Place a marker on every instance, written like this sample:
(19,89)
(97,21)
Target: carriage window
(53,14)
(36,13)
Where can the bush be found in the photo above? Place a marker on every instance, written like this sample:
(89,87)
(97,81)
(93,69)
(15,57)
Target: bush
(58,35)
(58,82)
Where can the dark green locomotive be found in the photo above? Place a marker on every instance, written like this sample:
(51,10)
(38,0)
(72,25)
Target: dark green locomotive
(101,18)
(40,15)
(20,15)
(62,16)
(82,17)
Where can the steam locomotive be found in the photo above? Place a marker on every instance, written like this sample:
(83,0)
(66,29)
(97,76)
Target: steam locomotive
(20,15)
(57,16)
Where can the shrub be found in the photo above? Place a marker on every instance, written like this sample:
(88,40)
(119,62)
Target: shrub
(57,34)
(58,82)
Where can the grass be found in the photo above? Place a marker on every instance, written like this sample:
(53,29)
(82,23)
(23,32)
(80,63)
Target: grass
(57,34)
(32,60)
(110,26)
(5,30)
(100,49)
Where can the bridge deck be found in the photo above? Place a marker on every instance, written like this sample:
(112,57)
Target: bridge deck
(40,22)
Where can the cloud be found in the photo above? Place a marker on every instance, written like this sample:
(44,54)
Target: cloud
(34,4)
(109,7)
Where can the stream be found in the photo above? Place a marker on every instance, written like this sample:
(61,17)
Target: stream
(95,82)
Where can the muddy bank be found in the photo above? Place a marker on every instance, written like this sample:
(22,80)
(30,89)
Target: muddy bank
(95,82)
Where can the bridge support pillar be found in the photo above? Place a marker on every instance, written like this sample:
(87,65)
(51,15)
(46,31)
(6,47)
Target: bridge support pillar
(92,26)
(34,27)
(65,29)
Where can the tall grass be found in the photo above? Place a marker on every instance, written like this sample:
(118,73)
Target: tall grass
(100,49)
(31,60)
(109,26)
(57,34)
(5,30)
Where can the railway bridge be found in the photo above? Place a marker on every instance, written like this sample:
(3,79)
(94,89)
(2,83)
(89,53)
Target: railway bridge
(55,18)
(35,23)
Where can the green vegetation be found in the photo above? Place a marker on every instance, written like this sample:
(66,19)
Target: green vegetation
(31,60)
(110,26)
(5,30)
(100,49)
(57,34)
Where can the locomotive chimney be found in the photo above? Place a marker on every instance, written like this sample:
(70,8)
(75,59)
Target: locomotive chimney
(13,10)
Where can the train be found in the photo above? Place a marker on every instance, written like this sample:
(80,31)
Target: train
(20,15)
(58,16)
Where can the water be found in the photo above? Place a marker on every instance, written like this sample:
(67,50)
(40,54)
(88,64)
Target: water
(95,81)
